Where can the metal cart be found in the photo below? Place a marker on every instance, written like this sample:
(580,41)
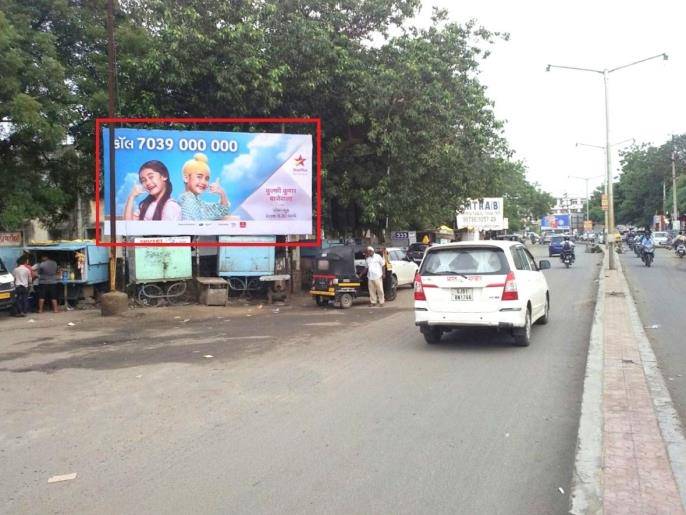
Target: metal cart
(160,275)
(253,271)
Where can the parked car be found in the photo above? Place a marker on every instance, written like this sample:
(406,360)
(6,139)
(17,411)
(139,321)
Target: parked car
(404,268)
(416,251)
(484,283)
(6,287)
(661,238)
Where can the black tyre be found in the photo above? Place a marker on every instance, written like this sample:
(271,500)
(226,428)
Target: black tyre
(546,315)
(320,300)
(568,264)
(149,295)
(394,281)
(522,337)
(345,300)
(392,294)
(432,334)
(178,293)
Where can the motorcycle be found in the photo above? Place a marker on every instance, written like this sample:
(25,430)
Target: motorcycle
(648,254)
(681,250)
(567,257)
(638,249)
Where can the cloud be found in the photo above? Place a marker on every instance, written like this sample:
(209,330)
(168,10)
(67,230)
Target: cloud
(243,167)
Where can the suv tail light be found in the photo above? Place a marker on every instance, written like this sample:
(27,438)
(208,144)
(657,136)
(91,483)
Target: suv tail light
(418,288)
(510,289)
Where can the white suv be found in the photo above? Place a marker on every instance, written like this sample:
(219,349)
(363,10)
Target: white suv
(480,283)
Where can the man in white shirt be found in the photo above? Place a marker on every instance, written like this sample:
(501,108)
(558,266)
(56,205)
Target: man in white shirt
(22,281)
(375,275)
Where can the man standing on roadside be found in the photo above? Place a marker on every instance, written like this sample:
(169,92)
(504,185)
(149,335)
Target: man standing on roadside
(375,275)
(47,278)
(22,281)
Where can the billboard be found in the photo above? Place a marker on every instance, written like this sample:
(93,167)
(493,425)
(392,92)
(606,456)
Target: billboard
(176,182)
(484,214)
(553,222)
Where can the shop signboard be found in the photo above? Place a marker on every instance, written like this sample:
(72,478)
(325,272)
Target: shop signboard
(209,183)
(484,214)
(10,239)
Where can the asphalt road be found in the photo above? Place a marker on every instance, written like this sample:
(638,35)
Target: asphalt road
(308,410)
(660,294)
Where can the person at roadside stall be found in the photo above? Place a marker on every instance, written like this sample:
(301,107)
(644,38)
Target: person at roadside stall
(154,179)
(47,283)
(22,282)
(375,275)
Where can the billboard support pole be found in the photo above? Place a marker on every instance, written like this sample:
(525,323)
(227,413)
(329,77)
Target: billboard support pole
(110,92)
(112,302)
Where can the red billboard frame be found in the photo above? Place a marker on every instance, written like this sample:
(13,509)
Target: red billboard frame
(238,121)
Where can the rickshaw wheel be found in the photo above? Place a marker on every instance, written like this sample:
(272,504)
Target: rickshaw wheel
(321,301)
(177,293)
(345,300)
(149,295)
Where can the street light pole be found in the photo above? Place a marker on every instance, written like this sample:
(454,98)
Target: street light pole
(675,213)
(608,183)
(610,200)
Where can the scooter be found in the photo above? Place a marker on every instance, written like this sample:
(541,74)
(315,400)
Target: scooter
(648,254)
(681,250)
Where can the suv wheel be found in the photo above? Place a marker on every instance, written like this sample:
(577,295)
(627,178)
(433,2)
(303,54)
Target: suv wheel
(432,334)
(546,314)
(522,337)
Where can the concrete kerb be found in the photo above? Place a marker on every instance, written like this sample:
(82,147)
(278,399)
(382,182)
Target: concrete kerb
(667,416)
(586,495)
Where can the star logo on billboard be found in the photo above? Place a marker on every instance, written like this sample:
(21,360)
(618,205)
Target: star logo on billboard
(243,224)
(300,160)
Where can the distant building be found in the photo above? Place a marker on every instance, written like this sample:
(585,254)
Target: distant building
(566,204)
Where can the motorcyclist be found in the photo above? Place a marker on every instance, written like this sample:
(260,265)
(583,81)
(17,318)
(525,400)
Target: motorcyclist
(568,247)
(680,239)
(647,239)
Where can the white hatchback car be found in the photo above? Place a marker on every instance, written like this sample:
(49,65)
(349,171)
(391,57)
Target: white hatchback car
(480,284)
(404,268)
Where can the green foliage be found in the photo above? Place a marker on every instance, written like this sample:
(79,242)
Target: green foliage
(408,131)
(645,168)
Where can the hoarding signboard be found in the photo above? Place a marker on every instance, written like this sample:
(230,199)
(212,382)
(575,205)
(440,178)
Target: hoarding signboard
(588,225)
(603,202)
(484,214)
(175,182)
(552,222)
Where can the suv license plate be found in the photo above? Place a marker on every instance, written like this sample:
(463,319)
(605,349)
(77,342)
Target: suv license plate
(461,293)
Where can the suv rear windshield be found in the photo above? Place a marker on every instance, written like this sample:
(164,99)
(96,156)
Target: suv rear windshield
(466,260)
(556,239)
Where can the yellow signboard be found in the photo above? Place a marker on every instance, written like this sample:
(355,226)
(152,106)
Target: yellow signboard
(603,202)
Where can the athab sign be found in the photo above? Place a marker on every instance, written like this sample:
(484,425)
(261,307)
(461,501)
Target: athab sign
(484,214)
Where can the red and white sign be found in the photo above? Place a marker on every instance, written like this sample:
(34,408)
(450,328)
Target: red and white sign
(10,239)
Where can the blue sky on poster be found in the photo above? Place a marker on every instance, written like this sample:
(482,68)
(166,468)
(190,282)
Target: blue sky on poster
(546,114)
(239,173)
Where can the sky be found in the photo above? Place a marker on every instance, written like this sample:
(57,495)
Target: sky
(547,113)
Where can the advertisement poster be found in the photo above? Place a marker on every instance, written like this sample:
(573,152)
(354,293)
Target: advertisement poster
(553,222)
(484,214)
(172,182)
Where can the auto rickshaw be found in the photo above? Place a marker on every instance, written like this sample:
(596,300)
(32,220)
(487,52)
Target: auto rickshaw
(337,276)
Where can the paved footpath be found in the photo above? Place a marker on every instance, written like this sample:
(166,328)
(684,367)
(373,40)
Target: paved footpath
(630,456)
